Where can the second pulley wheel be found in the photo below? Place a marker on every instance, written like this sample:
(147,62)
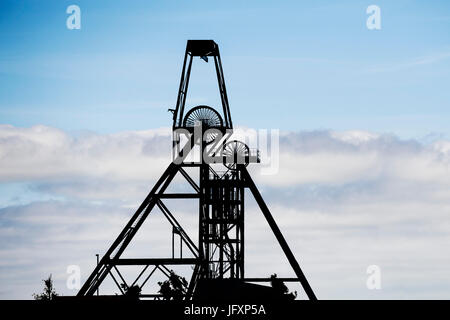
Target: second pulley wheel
(234,153)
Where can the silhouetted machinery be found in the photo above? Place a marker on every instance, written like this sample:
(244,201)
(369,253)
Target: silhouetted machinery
(218,257)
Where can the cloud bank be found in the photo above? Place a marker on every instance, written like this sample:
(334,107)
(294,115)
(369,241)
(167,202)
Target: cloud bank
(344,200)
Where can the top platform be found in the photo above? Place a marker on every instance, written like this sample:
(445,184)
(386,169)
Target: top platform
(202,48)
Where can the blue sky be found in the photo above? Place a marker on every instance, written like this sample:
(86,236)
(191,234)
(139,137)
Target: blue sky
(288,64)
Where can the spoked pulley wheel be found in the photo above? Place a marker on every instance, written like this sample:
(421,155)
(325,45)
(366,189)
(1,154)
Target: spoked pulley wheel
(206,115)
(234,153)
(209,118)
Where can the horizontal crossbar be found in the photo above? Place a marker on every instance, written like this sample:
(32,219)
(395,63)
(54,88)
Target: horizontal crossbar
(153,261)
(178,195)
(269,279)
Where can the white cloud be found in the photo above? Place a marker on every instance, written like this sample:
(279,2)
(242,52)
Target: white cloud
(44,153)
(339,158)
(355,137)
(47,154)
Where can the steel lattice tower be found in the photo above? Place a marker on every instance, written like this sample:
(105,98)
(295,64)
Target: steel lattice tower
(219,253)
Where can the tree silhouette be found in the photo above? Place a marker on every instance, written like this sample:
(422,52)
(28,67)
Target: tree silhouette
(173,288)
(49,292)
(281,288)
(132,292)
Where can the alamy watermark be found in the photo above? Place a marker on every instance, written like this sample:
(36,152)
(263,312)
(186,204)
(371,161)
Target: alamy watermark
(373,22)
(229,147)
(74,279)
(74,20)
(374,279)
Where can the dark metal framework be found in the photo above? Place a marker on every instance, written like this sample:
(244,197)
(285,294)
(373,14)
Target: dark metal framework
(202,49)
(221,236)
(220,196)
